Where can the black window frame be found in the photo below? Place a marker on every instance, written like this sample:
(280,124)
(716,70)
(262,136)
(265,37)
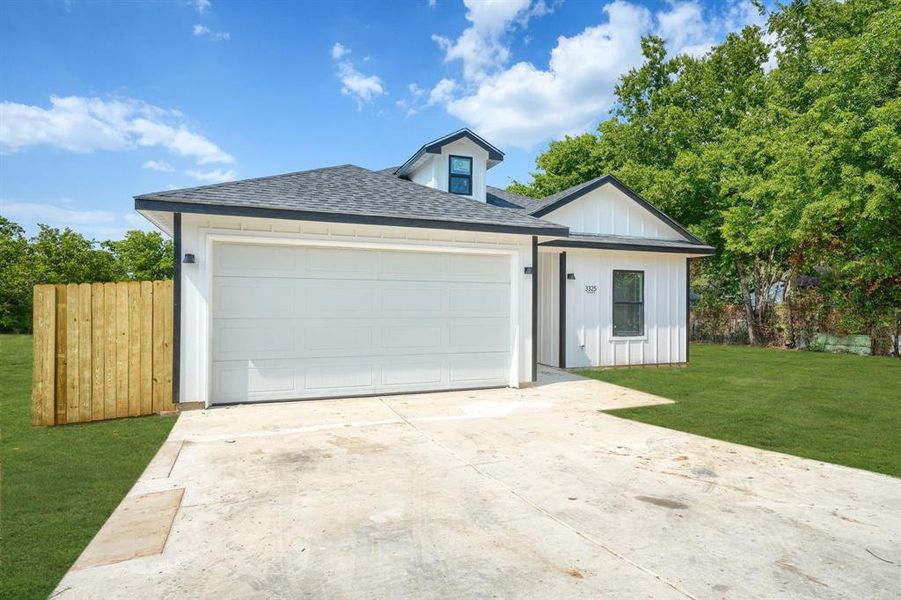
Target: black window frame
(451,175)
(614,303)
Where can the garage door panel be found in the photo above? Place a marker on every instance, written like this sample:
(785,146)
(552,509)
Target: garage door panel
(419,336)
(411,372)
(414,299)
(246,338)
(320,378)
(340,263)
(472,370)
(247,297)
(424,266)
(334,298)
(261,380)
(244,380)
(320,322)
(244,260)
(482,335)
(479,300)
(473,267)
(350,337)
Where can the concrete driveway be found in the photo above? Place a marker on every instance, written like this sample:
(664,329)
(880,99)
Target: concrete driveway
(528,493)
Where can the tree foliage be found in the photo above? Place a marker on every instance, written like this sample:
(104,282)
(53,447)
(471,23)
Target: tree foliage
(65,256)
(788,169)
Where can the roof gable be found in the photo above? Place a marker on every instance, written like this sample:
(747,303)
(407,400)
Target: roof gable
(555,202)
(434,147)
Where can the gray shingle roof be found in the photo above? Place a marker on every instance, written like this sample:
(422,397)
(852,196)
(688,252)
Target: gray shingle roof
(500,197)
(623,242)
(347,193)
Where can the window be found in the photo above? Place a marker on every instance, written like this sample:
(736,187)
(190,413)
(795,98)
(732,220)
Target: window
(460,176)
(628,303)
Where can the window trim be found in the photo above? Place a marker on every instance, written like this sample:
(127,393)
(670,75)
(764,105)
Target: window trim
(613,304)
(450,174)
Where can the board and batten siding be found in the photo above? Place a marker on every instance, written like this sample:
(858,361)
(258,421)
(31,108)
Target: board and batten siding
(607,210)
(589,315)
(549,308)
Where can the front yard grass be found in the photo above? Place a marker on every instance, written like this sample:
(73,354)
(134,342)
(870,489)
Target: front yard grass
(837,408)
(58,484)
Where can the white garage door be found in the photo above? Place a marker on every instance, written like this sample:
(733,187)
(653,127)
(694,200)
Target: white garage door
(309,322)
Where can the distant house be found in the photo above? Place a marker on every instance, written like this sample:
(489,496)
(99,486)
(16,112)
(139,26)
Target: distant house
(343,281)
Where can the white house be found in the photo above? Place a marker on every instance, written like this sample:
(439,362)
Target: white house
(344,281)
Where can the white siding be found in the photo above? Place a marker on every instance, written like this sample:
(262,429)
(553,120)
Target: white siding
(589,316)
(607,210)
(549,308)
(199,232)
(425,174)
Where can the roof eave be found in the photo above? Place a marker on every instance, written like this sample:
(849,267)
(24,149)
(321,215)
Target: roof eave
(699,250)
(145,203)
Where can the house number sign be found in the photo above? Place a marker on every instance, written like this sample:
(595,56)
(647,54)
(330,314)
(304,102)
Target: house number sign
(591,289)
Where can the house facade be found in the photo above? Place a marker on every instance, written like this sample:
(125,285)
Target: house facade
(345,281)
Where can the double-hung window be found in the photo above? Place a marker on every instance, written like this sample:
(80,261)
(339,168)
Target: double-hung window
(628,303)
(460,175)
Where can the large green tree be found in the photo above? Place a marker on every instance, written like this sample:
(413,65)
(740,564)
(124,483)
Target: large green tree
(143,255)
(15,279)
(786,170)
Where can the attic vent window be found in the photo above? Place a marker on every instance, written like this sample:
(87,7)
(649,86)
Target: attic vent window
(460,176)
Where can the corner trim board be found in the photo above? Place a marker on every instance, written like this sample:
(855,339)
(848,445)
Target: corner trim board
(561,351)
(687,307)
(176,308)
(535,308)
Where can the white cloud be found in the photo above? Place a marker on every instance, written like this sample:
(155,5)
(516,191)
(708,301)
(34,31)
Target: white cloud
(216,36)
(415,90)
(481,46)
(684,29)
(93,223)
(362,88)
(158,165)
(442,92)
(80,124)
(214,176)
(524,105)
(201,6)
(338,51)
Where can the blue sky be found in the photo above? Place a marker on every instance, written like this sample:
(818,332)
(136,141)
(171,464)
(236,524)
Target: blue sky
(100,101)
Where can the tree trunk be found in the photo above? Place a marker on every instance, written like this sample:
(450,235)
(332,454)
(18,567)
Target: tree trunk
(754,334)
(897,340)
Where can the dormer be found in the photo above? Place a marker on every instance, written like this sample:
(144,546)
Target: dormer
(456,163)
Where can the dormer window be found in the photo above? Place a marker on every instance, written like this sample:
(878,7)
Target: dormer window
(460,175)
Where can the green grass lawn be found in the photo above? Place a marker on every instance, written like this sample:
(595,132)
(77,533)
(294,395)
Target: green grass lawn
(58,484)
(837,408)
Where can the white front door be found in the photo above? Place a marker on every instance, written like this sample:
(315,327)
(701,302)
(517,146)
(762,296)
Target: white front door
(308,322)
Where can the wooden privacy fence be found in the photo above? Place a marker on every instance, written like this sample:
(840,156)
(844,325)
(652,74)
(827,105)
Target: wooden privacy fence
(101,351)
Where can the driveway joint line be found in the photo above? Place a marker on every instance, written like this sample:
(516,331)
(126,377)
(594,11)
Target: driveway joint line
(539,508)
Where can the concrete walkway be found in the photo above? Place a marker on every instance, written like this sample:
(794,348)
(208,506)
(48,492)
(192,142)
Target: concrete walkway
(504,493)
